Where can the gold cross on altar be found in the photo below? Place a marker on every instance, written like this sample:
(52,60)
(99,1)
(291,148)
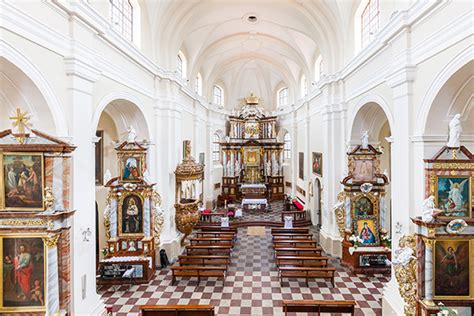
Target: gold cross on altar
(20,120)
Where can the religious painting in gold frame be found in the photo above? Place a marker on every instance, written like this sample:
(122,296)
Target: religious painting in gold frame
(367,229)
(131,167)
(23,269)
(22,181)
(252,156)
(364,204)
(453,195)
(130,214)
(453,269)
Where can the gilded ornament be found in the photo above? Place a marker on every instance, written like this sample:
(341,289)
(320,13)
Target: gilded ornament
(340,220)
(429,243)
(405,272)
(158,221)
(24,222)
(453,165)
(51,240)
(431,232)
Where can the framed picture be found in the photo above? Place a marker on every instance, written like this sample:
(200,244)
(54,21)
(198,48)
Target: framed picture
(367,228)
(301,165)
(23,268)
(131,168)
(364,170)
(131,215)
(364,205)
(99,158)
(22,183)
(453,195)
(318,164)
(452,269)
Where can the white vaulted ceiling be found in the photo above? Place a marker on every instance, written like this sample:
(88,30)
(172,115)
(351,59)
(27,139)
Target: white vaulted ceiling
(245,56)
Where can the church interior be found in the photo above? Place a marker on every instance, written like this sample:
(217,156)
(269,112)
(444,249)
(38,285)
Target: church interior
(224,157)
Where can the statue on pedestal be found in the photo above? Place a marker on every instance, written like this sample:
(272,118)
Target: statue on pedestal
(132,134)
(428,209)
(365,140)
(275,168)
(268,168)
(455,130)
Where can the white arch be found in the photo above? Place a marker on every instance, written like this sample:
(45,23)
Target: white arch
(22,62)
(371,98)
(116,95)
(447,72)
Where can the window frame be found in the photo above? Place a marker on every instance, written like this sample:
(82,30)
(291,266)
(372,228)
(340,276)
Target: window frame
(121,17)
(218,99)
(282,97)
(287,146)
(216,148)
(369,22)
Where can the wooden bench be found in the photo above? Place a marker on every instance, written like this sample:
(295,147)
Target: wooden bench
(311,306)
(177,310)
(204,260)
(307,272)
(302,261)
(296,215)
(292,236)
(297,251)
(295,243)
(215,234)
(294,230)
(208,250)
(197,271)
(225,241)
(218,228)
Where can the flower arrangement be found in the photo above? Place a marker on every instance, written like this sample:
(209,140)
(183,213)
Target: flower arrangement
(356,240)
(446,311)
(386,241)
(230,214)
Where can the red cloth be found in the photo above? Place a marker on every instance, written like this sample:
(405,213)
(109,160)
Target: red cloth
(298,205)
(206,211)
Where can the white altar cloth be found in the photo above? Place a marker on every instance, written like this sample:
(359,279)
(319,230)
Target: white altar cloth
(254,202)
(128,259)
(253,186)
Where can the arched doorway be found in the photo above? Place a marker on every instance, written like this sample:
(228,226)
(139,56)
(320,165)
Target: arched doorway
(316,216)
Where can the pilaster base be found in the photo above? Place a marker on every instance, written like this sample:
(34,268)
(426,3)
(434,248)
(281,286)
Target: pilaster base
(330,244)
(392,302)
(172,247)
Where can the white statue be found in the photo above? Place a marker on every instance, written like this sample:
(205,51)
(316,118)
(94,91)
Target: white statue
(146,176)
(228,168)
(227,139)
(455,130)
(403,256)
(132,134)
(428,209)
(107,176)
(365,140)
(237,168)
(268,168)
(276,168)
(270,130)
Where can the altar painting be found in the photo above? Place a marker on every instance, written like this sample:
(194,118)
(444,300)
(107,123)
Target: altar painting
(363,206)
(453,195)
(131,215)
(131,168)
(363,170)
(451,268)
(367,230)
(23,181)
(23,273)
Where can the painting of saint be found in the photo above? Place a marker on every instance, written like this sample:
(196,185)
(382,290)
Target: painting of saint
(318,164)
(132,215)
(363,170)
(131,169)
(301,166)
(23,272)
(363,206)
(23,179)
(453,196)
(451,264)
(367,230)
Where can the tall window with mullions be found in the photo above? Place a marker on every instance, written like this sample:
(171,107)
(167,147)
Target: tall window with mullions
(122,17)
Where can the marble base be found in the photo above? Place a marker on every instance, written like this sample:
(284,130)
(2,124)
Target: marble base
(392,302)
(331,244)
(172,247)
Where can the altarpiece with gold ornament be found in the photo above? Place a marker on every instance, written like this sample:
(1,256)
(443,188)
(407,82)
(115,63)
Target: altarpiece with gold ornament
(35,221)
(133,219)
(361,212)
(252,156)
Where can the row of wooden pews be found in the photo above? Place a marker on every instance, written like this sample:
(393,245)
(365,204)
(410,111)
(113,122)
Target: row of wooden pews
(207,255)
(297,255)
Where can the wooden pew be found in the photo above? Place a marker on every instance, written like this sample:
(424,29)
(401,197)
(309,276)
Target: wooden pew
(292,236)
(290,230)
(177,310)
(227,241)
(208,250)
(197,271)
(302,261)
(312,306)
(295,243)
(204,260)
(307,272)
(218,228)
(215,234)
(298,251)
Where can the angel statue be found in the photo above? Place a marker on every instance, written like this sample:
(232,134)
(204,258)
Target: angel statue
(365,140)
(455,130)
(428,209)
(132,134)
(107,176)
(455,197)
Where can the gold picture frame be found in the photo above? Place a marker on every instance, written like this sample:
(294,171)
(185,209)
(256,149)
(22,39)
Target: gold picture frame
(373,199)
(23,309)
(469,256)
(133,159)
(20,182)
(443,199)
(124,198)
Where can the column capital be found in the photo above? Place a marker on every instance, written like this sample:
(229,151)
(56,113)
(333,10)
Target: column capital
(51,241)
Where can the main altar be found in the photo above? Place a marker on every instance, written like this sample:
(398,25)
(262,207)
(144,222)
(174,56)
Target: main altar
(252,156)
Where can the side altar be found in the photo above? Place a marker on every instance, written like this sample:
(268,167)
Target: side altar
(251,155)
(360,213)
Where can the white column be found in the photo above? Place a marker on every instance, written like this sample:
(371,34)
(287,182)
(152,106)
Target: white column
(82,76)
(52,275)
(429,243)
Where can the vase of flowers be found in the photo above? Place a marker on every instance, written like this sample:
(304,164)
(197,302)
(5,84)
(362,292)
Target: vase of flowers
(386,241)
(356,240)
(446,311)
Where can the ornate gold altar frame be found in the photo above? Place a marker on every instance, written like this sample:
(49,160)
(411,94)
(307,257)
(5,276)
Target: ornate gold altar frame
(138,155)
(252,156)
(434,190)
(120,211)
(24,309)
(471,271)
(373,199)
(353,159)
(2,182)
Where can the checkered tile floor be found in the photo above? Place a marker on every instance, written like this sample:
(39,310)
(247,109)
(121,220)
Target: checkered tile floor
(251,287)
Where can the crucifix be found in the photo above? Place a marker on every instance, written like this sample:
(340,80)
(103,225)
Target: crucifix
(20,121)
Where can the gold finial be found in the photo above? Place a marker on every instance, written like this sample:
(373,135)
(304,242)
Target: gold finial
(252,99)
(20,120)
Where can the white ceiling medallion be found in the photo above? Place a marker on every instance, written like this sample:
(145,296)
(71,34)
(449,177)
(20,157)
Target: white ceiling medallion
(250,18)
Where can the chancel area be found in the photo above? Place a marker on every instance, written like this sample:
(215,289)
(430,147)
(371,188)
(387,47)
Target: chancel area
(277,157)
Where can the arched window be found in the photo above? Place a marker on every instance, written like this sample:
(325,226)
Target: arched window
(121,13)
(370,21)
(303,84)
(216,153)
(181,65)
(218,95)
(318,68)
(283,97)
(198,84)
(287,146)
